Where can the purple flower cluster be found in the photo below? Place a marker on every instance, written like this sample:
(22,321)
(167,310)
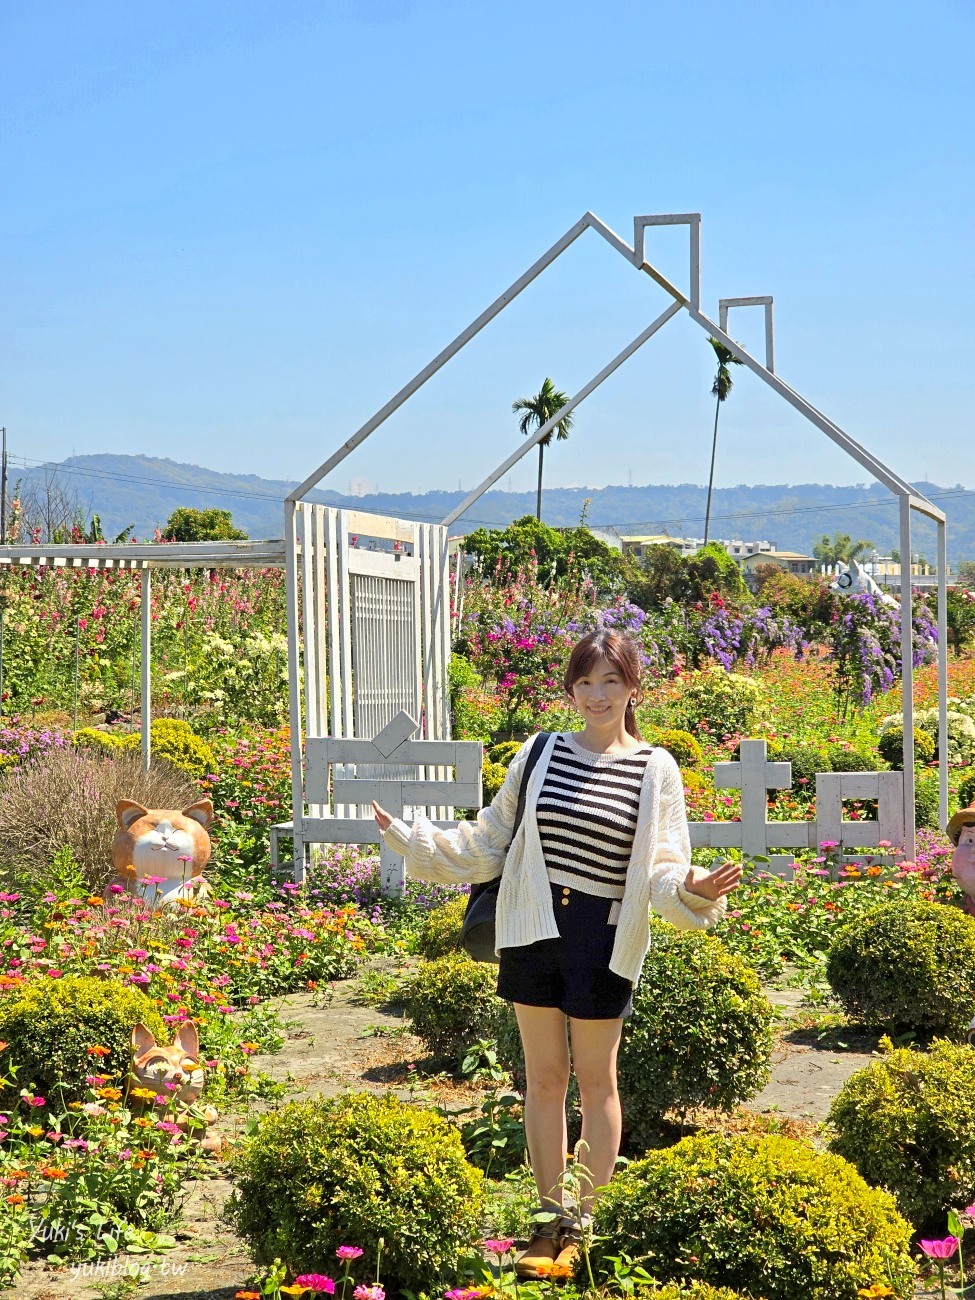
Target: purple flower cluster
(343,875)
(743,638)
(22,743)
(865,646)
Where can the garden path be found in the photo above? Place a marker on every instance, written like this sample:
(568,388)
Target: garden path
(335,1043)
(808,1068)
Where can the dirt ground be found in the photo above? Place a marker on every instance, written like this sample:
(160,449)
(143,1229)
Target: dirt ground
(334,1044)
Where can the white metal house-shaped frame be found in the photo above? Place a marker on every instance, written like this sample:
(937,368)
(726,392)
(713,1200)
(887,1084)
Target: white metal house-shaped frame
(434,573)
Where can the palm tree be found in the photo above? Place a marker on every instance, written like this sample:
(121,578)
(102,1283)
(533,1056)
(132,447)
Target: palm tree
(720,389)
(842,549)
(538,410)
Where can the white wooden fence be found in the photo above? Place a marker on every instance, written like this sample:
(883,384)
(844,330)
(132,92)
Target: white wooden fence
(752,774)
(756,836)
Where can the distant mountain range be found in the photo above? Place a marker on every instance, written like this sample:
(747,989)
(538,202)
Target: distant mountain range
(145,490)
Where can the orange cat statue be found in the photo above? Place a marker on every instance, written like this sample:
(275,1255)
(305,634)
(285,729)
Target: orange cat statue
(176,1074)
(161,852)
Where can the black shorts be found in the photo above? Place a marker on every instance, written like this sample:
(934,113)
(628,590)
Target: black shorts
(570,973)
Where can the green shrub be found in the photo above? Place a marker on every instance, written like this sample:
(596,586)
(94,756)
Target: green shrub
(722,703)
(891,743)
(682,745)
(927,809)
(474,711)
(966,790)
(906,964)
(693,781)
(504,751)
(170,739)
(452,1004)
(320,1174)
(961,732)
(806,761)
(440,932)
(851,759)
(66,799)
(492,779)
(179,744)
(768,1216)
(49,1025)
(908,1124)
(111,742)
(700,1033)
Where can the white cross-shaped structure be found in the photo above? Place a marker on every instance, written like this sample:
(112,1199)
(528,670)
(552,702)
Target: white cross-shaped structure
(390,746)
(755,835)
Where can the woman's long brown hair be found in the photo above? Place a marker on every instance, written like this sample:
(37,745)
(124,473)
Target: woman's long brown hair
(621,653)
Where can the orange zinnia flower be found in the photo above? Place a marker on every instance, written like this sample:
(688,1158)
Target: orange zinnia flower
(16,1199)
(52,1172)
(98,1050)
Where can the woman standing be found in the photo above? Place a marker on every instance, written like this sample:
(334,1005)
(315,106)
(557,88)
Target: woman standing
(604,838)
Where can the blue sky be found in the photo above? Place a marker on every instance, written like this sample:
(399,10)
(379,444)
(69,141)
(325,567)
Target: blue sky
(231,231)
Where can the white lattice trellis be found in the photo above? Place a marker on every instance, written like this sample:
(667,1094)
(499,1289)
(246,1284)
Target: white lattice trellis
(369,639)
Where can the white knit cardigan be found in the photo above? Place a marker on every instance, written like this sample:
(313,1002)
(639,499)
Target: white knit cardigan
(482,850)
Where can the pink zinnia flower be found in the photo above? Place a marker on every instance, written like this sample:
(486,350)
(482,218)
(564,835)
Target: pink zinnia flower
(317,1282)
(375,1292)
(943,1249)
(348,1253)
(499,1245)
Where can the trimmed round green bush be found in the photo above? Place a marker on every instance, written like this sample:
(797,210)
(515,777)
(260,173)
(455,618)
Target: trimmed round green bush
(492,779)
(891,745)
(440,932)
(722,703)
(452,1004)
(692,781)
(769,1216)
(806,761)
(682,745)
(700,1033)
(177,742)
(171,739)
(908,1124)
(320,1174)
(49,1025)
(907,964)
(503,752)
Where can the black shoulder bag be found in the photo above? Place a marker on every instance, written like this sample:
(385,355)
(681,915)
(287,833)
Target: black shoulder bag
(477,934)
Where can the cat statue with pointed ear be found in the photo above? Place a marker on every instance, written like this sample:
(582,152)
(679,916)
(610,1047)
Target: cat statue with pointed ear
(163,843)
(176,1073)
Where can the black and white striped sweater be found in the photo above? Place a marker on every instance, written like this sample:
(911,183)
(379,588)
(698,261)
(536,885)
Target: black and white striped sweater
(587,814)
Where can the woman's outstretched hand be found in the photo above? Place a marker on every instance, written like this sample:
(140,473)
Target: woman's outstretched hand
(383,819)
(714,884)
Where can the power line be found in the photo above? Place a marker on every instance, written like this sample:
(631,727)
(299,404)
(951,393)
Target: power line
(679,522)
